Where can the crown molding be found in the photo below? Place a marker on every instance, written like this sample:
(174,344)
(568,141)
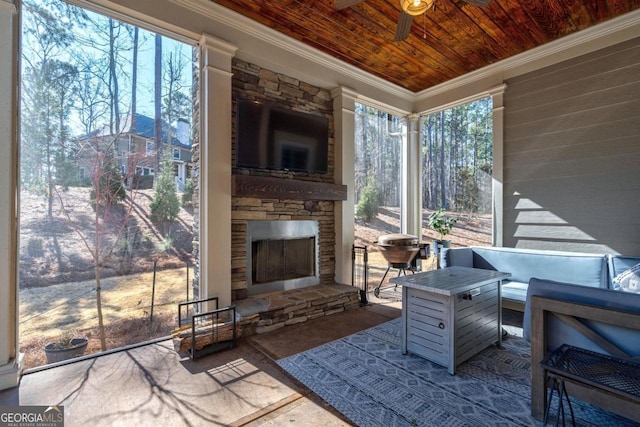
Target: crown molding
(8,4)
(230,18)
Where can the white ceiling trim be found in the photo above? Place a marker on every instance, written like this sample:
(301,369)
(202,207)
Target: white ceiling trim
(496,90)
(259,31)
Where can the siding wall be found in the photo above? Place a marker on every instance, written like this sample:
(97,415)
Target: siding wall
(572,154)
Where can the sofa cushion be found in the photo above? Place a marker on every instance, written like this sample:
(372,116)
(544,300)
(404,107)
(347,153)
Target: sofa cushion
(523,264)
(560,333)
(461,257)
(515,291)
(628,280)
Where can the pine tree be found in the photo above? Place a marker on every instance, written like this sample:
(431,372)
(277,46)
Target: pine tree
(369,202)
(165,205)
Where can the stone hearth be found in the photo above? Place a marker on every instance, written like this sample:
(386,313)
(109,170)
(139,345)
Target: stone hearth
(268,312)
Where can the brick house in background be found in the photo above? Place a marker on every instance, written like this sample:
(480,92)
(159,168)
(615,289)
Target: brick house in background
(135,149)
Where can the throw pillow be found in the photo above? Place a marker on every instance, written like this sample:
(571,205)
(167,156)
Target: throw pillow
(629,280)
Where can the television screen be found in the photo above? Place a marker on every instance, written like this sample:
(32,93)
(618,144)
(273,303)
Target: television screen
(269,137)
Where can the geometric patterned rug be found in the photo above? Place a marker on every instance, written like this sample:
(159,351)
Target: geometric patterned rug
(366,377)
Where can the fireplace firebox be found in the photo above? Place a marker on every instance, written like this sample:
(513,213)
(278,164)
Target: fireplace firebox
(281,255)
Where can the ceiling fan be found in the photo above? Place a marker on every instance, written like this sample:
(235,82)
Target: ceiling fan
(410,8)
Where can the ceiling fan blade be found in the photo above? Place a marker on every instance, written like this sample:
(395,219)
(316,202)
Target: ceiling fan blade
(479,3)
(343,4)
(404,26)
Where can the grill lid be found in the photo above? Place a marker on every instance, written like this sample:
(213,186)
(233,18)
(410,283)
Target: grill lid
(398,239)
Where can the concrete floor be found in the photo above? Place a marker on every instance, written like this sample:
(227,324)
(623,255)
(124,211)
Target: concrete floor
(152,385)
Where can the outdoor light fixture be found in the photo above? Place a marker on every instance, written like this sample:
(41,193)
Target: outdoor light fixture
(415,7)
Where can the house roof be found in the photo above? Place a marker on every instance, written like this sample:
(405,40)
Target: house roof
(144,127)
(451,39)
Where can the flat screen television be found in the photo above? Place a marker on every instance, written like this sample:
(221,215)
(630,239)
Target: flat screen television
(271,137)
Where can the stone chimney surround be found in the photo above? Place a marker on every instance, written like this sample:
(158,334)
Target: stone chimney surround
(260,195)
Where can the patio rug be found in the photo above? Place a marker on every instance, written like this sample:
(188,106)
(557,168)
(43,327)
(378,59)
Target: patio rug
(366,377)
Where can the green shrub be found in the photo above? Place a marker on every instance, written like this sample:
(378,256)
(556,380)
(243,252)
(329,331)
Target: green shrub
(165,205)
(187,196)
(369,202)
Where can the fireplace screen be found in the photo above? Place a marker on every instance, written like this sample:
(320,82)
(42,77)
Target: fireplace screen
(282,255)
(284,259)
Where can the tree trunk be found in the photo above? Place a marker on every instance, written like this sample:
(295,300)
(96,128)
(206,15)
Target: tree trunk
(157,103)
(443,199)
(134,79)
(97,262)
(103,341)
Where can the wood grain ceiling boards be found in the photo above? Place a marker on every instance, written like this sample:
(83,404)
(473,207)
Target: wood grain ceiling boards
(448,41)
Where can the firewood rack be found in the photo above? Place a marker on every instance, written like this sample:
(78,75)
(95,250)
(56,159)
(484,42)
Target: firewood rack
(202,329)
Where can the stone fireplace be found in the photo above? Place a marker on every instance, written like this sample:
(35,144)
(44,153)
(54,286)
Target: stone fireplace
(281,198)
(281,255)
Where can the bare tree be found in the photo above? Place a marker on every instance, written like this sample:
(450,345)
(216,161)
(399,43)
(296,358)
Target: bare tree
(48,95)
(176,104)
(93,98)
(112,210)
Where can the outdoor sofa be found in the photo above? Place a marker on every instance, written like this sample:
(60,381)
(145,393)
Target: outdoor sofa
(581,317)
(591,270)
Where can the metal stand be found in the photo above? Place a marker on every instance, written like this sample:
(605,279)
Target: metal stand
(402,268)
(557,384)
(360,271)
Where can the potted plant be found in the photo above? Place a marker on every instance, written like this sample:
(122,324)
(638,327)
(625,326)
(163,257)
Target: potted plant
(65,347)
(442,224)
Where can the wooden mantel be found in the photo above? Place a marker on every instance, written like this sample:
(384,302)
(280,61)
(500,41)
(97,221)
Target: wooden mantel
(281,188)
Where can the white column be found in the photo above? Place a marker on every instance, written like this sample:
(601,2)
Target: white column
(411,173)
(497,96)
(10,359)
(344,173)
(215,169)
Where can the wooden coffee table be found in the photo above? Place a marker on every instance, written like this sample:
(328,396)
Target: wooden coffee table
(451,314)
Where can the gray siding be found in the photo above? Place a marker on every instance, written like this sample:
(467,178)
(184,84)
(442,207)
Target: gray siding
(572,154)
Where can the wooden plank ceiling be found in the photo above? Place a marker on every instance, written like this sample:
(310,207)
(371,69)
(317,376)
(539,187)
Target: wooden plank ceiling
(449,40)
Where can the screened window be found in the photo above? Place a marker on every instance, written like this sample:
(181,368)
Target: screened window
(90,231)
(457,165)
(378,181)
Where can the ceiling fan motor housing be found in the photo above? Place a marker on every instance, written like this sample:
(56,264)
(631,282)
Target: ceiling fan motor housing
(415,7)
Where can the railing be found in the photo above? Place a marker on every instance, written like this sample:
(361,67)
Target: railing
(180,185)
